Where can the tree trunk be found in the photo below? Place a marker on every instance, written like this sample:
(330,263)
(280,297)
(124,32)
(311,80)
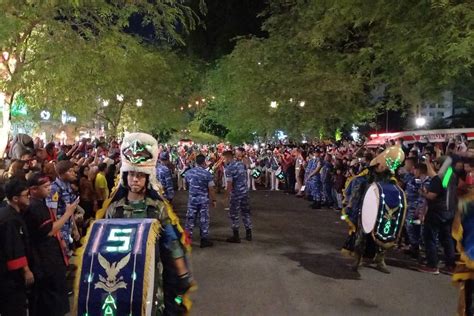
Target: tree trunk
(6,126)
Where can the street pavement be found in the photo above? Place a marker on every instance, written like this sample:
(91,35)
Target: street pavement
(294,267)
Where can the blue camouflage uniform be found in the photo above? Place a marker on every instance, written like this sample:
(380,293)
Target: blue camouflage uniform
(309,184)
(317,186)
(354,196)
(326,182)
(239,197)
(163,174)
(61,195)
(199,180)
(414,202)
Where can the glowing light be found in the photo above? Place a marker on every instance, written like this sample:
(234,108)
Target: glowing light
(190,105)
(120,97)
(273,104)
(119,235)
(139,102)
(203,100)
(179,299)
(259,63)
(302,104)
(291,100)
(109,306)
(197,102)
(213,97)
(355,133)
(447,177)
(420,121)
(5,55)
(281,135)
(105,103)
(45,115)
(182,108)
(255,146)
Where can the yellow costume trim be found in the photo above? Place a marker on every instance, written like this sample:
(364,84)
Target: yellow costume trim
(79,254)
(352,226)
(458,231)
(151,241)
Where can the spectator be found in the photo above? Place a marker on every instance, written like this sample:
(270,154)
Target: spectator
(437,224)
(87,192)
(100,184)
(49,296)
(15,273)
(110,176)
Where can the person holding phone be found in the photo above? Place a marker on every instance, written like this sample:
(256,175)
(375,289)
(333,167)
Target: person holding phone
(50,261)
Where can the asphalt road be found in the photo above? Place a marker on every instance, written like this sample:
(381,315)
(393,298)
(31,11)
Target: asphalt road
(294,267)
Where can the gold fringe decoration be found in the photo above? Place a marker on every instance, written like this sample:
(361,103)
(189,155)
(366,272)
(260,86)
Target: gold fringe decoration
(150,244)
(77,280)
(352,226)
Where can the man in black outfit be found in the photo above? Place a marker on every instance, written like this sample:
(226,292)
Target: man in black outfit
(15,274)
(49,296)
(438,223)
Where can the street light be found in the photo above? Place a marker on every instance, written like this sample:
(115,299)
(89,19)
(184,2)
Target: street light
(139,102)
(105,103)
(420,122)
(120,97)
(273,104)
(302,104)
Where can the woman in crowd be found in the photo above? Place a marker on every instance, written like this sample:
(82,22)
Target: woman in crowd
(87,193)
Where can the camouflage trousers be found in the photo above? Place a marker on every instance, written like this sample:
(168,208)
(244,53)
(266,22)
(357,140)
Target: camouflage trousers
(317,190)
(240,206)
(201,210)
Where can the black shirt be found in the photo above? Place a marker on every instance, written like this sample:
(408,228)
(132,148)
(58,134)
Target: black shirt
(438,208)
(46,250)
(13,244)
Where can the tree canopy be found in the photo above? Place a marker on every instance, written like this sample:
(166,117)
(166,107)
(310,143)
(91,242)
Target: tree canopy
(74,55)
(345,60)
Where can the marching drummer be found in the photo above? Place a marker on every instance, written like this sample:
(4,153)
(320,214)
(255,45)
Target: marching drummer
(380,171)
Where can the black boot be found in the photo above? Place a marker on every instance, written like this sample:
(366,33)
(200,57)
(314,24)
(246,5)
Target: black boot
(206,243)
(235,238)
(248,234)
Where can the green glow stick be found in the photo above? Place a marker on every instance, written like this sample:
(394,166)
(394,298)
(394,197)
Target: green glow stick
(447,177)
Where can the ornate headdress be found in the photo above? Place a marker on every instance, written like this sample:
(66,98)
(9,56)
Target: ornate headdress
(139,152)
(392,158)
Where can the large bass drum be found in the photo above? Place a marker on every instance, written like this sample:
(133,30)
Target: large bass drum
(383,213)
(117,270)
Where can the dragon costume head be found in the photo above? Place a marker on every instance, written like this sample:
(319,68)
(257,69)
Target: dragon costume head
(391,158)
(139,153)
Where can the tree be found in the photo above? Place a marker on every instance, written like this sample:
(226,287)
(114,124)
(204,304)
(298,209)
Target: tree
(50,47)
(347,60)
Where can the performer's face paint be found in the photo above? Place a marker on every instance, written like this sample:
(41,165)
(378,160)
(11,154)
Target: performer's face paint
(136,181)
